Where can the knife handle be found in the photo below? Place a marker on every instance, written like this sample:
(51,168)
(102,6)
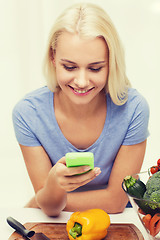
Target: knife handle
(19,227)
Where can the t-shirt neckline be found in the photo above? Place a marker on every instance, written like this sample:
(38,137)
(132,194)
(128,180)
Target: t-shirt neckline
(66,141)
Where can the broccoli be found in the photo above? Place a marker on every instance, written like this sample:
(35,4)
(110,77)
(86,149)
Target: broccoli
(146,196)
(153,191)
(153,184)
(155,197)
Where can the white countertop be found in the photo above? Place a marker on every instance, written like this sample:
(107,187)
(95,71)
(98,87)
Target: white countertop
(25,215)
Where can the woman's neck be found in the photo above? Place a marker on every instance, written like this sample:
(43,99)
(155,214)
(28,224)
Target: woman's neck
(65,105)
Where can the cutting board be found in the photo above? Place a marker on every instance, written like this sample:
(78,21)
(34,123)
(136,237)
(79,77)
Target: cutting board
(57,231)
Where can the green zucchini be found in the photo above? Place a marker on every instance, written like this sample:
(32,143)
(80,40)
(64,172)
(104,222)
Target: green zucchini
(134,187)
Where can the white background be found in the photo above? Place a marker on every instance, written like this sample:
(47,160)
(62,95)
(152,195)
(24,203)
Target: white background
(24,28)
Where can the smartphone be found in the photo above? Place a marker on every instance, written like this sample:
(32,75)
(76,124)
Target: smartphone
(77,159)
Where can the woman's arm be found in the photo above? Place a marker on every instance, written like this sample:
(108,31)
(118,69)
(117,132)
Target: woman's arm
(51,184)
(112,199)
(48,195)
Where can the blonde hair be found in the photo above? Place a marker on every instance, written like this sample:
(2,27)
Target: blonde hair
(90,21)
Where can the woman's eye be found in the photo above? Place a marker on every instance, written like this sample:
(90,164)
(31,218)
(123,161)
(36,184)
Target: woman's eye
(72,68)
(95,69)
(69,68)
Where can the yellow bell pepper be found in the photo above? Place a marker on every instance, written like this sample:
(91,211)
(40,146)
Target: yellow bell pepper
(91,224)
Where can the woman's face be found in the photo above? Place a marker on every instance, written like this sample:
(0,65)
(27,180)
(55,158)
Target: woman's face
(81,67)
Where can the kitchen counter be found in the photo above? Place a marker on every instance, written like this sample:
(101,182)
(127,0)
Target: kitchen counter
(25,215)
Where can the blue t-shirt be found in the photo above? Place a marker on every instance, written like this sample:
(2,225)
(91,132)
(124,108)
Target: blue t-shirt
(35,125)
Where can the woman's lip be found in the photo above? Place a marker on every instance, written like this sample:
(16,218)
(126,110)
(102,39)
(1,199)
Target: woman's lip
(80,91)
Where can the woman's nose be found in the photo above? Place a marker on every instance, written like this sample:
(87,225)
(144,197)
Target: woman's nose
(81,80)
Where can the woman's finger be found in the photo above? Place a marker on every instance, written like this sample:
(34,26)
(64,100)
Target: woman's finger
(78,178)
(73,186)
(70,183)
(77,170)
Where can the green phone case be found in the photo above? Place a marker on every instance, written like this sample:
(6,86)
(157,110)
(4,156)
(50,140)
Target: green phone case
(76,159)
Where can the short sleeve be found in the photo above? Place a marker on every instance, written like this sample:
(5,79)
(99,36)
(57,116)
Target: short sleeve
(24,122)
(138,128)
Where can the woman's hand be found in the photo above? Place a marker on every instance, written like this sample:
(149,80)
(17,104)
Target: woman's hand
(69,178)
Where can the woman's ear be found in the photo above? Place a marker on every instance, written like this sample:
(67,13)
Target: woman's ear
(52,56)
(53,61)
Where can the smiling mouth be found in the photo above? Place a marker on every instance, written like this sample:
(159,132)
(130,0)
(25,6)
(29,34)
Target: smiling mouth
(81,91)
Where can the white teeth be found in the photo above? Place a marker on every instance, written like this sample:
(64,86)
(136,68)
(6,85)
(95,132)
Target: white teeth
(80,91)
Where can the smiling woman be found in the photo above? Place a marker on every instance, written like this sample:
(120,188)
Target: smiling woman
(88,106)
(84,74)
(88,24)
